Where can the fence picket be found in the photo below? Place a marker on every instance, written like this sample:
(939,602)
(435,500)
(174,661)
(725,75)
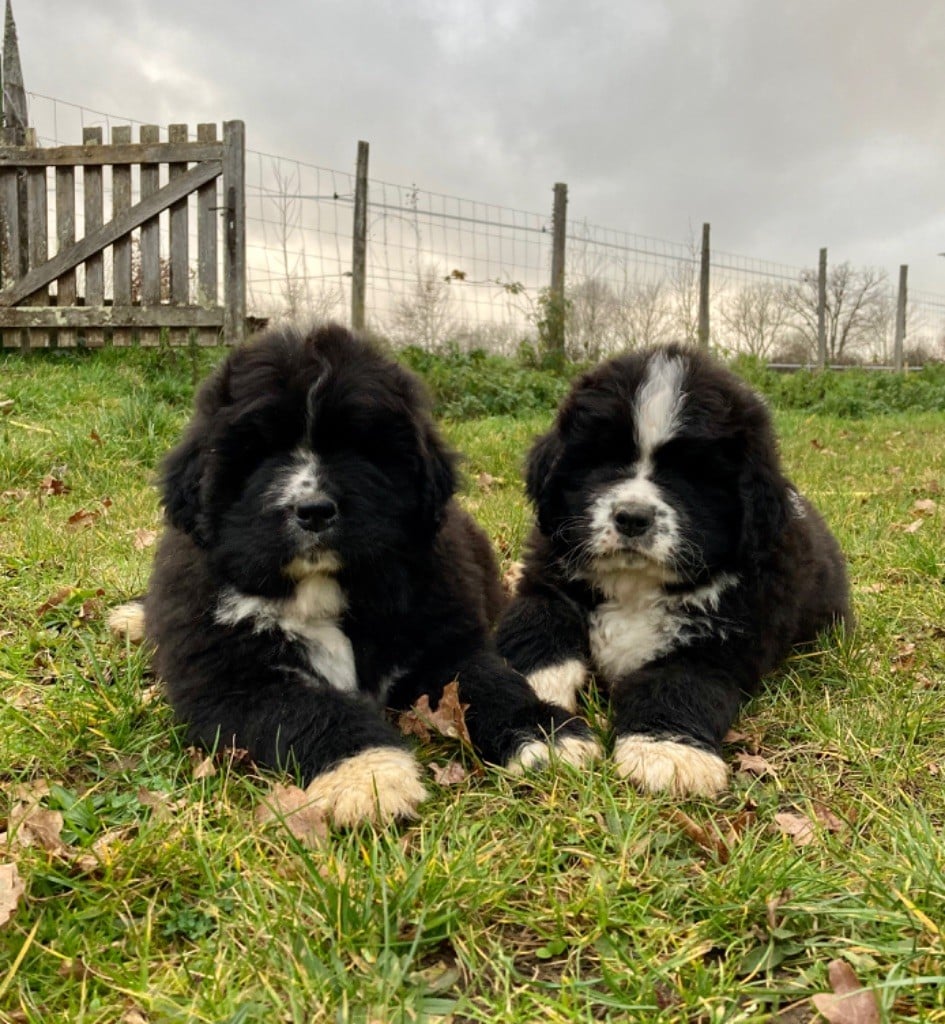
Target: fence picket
(94,203)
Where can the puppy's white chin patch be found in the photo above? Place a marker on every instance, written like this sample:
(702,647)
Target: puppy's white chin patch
(127,621)
(664,766)
(576,751)
(559,684)
(377,784)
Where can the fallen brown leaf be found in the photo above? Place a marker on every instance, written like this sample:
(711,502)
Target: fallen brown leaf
(849,1003)
(802,829)
(710,842)
(924,507)
(798,826)
(297,811)
(144,539)
(204,768)
(51,486)
(753,764)
(11,889)
(34,826)
(83,517)
(449,774)
(54,600)
(449,718)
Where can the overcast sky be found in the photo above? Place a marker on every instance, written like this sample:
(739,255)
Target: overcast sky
(788,125)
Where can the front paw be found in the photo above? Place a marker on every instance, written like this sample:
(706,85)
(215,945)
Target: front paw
(667,766)
(573,744)
(377,784)
(559,684)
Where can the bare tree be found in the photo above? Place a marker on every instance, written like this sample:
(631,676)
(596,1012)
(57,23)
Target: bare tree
(424,316)
(859,308)
(645,314)
(684,285)
(591,316)
(299,300)
(756,317)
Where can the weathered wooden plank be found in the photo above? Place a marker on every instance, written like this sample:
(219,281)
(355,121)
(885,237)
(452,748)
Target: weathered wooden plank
(107,234)
(207,251)
(234,252)
(121,250)
(94,202)
(110,316)
(65,236)
(86,155)
(150,252)
(13,243)
(38,243)
(179,242)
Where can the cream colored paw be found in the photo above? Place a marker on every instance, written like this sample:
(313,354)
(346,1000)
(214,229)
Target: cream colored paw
(127,621)
(664,766)
(378,784)
(573,750)
(559,684)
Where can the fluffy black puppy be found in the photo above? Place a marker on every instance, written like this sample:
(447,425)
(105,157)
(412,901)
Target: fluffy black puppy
(671,557)
(315,569)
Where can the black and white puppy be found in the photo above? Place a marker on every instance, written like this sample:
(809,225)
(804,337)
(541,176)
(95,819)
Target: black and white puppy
(671,558)
(315,569)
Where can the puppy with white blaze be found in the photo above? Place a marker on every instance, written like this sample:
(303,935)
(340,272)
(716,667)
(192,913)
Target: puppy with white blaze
(315,569)
(671,558)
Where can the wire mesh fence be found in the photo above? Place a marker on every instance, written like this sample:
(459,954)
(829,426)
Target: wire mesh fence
(442,269)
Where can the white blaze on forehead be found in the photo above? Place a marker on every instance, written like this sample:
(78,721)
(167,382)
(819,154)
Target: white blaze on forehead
(299,481)
(659,402)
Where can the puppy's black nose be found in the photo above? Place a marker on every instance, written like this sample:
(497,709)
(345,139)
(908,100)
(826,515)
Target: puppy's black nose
(633,520)
(317,514)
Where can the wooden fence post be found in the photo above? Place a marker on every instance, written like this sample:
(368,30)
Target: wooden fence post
(900,317)
(557,308)
(359,238)
(93,202)
(822,310)
(234,251)
(704,290)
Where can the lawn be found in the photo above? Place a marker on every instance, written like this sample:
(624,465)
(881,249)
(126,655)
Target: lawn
(152,892)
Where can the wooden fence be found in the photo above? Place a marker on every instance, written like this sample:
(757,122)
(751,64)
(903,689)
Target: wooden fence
(131,278)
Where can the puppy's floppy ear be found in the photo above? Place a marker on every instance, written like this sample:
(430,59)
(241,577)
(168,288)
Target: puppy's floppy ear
(183,467)
(539,464)
(437,478)
(181,475)
(765,502)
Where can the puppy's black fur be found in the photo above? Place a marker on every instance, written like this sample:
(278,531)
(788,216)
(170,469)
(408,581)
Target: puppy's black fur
(670,556)
(315,568)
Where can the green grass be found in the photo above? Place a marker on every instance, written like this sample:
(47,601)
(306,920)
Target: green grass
(564,897)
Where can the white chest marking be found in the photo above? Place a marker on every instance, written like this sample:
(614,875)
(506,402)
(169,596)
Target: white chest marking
(309,617)
(639,621)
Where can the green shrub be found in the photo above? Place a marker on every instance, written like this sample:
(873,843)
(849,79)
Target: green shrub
(465,385)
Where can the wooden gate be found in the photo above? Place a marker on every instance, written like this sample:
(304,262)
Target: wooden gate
(144,275)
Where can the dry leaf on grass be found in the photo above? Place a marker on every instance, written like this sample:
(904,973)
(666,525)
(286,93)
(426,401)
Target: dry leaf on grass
(51,486)
(849,1003)
(754,764)
(719,836)
(297,811)
(33,826)
(803,829)
(54,600)
(924,507)
(11,889)
(450,774)
(449,718)
(144,538)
